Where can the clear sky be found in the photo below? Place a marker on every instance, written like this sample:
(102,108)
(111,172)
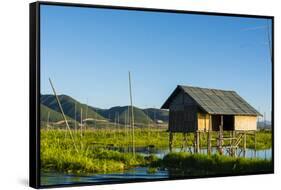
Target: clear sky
(88,52)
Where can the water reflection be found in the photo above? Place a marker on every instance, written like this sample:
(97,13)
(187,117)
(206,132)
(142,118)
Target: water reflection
(54,178)
(162,151)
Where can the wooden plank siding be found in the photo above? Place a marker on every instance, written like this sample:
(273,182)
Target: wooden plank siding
(183,114)
(203,121)
(245,123)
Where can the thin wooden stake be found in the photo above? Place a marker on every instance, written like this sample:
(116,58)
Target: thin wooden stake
(86,116)
(184,141)
(48,120)
(75,123)
(132,115)
(197,141)
(210,135)
(221,136)
(245,144)
(81,121)
(255,136)
(170,141)
(234,142)
(96,116)
(66,122)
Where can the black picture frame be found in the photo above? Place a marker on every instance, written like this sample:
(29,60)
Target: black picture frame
(34,87)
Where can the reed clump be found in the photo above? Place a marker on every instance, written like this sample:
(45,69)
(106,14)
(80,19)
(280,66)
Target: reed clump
(186,164)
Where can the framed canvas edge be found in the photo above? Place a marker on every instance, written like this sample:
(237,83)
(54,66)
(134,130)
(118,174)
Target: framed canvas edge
(34,90)
(34,95)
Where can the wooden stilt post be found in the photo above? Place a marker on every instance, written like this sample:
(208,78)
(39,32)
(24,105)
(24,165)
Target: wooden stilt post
(170,141)
(210,135)
(198,141)
(194,142)
(230,143)
(185,141)
(245,144)
(232,148)
(255,136)
(221,136)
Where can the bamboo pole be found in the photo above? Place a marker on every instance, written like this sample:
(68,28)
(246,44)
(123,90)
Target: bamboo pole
(148,123)
(81,121)
(62,112)
(86,116)
(128,127)
(221,136)
(233,148)
(210,135)
(96,117)
(255,136)
(170,141)
(125,127)
(197,141)
(48,120)
(245,144)
(184,141)
(118,125)
(132,115)
(75,123)
(194,142)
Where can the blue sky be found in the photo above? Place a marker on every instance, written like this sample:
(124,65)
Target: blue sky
(88,52)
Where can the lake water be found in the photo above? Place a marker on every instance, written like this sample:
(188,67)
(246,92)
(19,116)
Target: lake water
(54,178)
(133,173)
(161,152)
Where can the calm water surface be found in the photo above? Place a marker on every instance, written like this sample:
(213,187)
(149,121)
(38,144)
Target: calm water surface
(133,173)
(52,178)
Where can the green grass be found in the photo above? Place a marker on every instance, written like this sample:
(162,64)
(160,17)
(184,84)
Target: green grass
(157,137)
(58,152)
(185,164)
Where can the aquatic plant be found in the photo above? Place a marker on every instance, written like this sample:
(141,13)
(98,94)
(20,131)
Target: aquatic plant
(185,164)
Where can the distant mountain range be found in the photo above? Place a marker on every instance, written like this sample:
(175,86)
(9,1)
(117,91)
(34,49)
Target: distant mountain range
(118,114)
(264,124)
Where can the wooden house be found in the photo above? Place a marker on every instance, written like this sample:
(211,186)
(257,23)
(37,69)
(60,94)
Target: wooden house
(200,109)
(194,109)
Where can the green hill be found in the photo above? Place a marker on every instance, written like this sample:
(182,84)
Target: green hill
(68,105)
(157,114)
(122,112)
(54,116)
(142,117)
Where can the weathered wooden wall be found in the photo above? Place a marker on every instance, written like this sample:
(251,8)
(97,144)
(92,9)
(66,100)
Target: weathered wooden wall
(183,114)
(245,123)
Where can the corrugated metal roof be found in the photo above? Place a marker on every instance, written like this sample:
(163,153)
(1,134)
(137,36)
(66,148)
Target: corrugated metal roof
(215,101)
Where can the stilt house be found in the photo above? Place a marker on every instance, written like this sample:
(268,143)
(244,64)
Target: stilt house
(193,109)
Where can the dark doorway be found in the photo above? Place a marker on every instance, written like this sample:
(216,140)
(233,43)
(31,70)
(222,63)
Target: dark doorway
(228,122)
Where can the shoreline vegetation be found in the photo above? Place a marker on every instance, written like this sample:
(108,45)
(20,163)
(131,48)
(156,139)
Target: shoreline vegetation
(95,153)
(182,164)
